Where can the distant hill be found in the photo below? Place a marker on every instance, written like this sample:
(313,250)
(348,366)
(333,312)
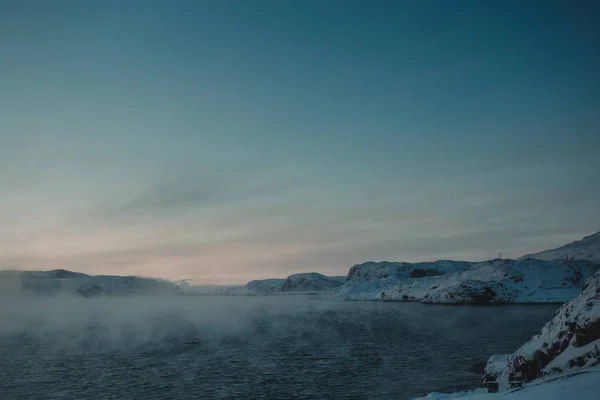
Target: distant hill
(265,285)
(587,248)
(61,281)
(303,282)
(311,281)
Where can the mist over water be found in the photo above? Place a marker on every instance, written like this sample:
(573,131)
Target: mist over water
(254,347)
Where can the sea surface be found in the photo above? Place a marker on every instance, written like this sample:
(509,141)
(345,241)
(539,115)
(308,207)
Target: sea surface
(240,347)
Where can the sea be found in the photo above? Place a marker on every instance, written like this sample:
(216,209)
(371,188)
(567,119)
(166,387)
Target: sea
(250,347)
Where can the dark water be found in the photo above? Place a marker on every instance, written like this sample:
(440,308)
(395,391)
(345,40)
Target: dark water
(277,347)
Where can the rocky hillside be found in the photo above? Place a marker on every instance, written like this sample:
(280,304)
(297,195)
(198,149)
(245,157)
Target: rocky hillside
(74,283)
(304,282)
(569,342)
(587,248)
(490,282)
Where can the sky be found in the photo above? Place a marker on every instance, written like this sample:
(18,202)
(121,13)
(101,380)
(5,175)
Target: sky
(229,140)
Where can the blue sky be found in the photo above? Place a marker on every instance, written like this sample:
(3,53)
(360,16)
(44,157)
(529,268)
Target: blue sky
(230,140)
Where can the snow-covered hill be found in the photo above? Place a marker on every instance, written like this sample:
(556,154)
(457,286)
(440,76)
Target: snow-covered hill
(490,282)
(587,248)
(372,271)
(584,385)
(308,281)
(74,283)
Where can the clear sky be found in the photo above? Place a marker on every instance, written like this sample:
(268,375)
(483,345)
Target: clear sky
(230,140)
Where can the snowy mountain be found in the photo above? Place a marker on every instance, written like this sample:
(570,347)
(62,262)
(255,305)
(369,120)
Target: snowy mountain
(587,248)
(74,283)
(308,281)
(490,282)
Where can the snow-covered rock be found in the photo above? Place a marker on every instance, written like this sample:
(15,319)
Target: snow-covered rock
(74,283)
(494,366)
(490,282)
(587,248)
(569,342)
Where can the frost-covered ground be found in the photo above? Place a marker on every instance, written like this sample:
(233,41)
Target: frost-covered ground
(450,282)
(584,385)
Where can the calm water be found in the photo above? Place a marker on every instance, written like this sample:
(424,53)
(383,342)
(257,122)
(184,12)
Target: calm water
(284,347)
